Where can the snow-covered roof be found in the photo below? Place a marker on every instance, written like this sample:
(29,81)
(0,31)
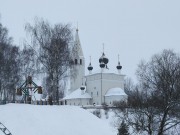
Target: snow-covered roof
(105,70)
(77,94)
(115,92)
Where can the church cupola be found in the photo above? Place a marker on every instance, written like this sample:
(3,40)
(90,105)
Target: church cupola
(119,67)
(77,71)
(103,60)
(90,68)
(82,88)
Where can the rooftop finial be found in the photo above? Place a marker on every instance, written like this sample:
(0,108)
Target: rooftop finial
(119,67)
(82,80)
(77,27)
(90,68)
(103,47)
(103,59)
(82,87)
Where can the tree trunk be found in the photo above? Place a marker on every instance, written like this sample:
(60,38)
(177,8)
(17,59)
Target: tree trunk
(161,128)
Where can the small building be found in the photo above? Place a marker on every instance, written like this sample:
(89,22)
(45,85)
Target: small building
(78,97)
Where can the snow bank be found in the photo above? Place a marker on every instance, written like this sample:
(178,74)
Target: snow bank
(23,119)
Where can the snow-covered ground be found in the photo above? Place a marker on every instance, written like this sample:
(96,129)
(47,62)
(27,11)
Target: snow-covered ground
(108,116)
(114,121)
(23,119)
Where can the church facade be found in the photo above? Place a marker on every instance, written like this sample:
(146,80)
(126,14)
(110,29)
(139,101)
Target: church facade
(96,88)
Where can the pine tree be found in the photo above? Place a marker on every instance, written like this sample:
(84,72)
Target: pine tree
(123,129)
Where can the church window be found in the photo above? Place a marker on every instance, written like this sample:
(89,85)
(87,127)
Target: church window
(97,93)
(75,61)
(80,61)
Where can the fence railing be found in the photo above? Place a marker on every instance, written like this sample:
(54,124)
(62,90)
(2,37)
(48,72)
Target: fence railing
(46,102)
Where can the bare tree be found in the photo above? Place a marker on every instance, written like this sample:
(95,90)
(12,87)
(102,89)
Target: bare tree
(9,69)
(128,86)
(53,49)
(141,114)
(29,65)
(161,77)
(153,105)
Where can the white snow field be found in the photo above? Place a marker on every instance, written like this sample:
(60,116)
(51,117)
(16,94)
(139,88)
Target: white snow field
(24,119)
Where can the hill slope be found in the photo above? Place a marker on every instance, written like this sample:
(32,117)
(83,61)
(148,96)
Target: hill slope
(23,119)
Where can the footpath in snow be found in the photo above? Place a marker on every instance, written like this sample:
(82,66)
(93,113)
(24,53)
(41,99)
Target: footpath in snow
(23,119)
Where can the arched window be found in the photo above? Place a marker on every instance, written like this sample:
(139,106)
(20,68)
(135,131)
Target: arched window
(80,61)
(76,62)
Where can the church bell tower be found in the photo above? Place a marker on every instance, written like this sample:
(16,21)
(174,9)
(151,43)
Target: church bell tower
(78,68)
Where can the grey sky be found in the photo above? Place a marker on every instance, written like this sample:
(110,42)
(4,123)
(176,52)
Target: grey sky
(134,29)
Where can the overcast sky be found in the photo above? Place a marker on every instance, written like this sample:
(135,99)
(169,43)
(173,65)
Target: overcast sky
(134,29)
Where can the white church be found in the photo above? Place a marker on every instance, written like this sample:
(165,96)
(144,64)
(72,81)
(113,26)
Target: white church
(96,88)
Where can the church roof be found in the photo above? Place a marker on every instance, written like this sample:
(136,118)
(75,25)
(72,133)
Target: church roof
(104,71)
(115,92)
(77,49)
(77,95)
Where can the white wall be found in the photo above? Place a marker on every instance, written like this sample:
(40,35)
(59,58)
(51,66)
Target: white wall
(77,73)
(101,83)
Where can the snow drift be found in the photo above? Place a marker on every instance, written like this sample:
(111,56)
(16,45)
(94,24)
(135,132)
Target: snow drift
(23,119)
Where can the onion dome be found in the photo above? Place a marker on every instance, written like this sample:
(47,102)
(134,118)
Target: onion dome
(102,65)
(119,67)
(82,87)
(103,59)
(90,68)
